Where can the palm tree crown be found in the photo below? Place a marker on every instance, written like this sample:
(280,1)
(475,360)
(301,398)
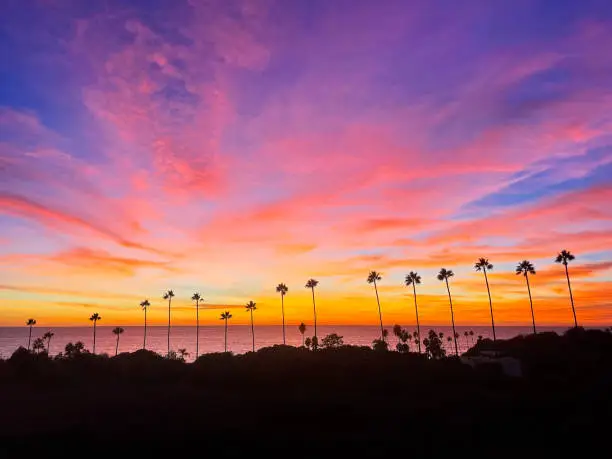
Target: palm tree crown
(169,294)
(282,289)
(118,330)
(483,263)
(312,283)
(412,278)
(196,297)
(145,304)
(445,274)
(565,256)
(250,306)
(373,277)
(95,317)
(525,267)
(225,315)
(31,322)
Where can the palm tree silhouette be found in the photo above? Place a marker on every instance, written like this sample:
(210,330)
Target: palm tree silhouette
(372,278)
(311,284)
(525,268)
(225,316)
(117,331)
(250,306)
(302,329)
(47,336)
(467,343)
(564,257)
(282,289)
(443,275)
(413,278)
(168,296)
(145,305)
(30,323)
(94,318)
(482,265)
(197,298)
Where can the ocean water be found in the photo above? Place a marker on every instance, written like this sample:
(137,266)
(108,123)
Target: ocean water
(238,339)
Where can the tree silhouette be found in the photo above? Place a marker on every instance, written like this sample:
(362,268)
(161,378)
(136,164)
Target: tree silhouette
(525,268)
(197,298)
(39,345)
(94,318)
(225,316)
(282,289)
(472,336)
(444,275)
(413,278)
(117,331)
(564,257)
(168,296)
(483,265)
(467,343)
(302,329)
(250,306)
(182,354)
(332,341)
(145,305)
(434,347)
(372,278)
(30,323)
(47,336)
(311,284)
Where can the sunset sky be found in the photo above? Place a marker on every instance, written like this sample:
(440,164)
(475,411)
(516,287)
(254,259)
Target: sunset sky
(226,146)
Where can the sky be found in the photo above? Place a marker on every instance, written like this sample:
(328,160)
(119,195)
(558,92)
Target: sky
(226,146)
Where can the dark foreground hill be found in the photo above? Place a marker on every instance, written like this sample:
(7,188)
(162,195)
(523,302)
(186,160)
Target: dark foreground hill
(291,402)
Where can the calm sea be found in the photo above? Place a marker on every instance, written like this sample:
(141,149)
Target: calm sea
(239,337)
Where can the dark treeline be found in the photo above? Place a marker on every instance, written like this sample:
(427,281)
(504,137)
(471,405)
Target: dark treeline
(338,401)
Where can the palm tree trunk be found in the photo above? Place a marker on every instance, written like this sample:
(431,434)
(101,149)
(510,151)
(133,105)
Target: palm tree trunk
(225,335)
(144,342)
(197,327)
(490,303)
(283,313)
(531,304)
(569,286)
(169,304)
(416,310)
(117,346)
(314,308)
(382,333)
(302,339)
(252,331)
(30,338)
(48,345)
(94,342)
(452,319)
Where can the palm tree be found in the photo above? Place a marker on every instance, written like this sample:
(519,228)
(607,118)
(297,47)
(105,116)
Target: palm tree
(443,275)
(282,289)
(117,331)
(168,296)
(30,323)
(565,256)
(197,298)
(525,268)
(311,284)
(472,337)
(47,336)
(94,318)
(250,306)
(466,334)
(302,329)
(482,265)
(413,278)
(372,278)
(145,305)
(225,316)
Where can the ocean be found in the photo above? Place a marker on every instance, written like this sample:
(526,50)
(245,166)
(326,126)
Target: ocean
(238,340)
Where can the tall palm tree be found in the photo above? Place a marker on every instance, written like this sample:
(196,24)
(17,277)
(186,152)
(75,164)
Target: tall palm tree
(94,318)
(168,296)
(197,298)
(117,331)
(282,289)
(413,278)
(225,316)
(311,284)
(525,268)
(47,336)
(564,257)
(482,265)
(444,275)
(302,329)
(250,306)
(30,323)
(145,305)
(372,278)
